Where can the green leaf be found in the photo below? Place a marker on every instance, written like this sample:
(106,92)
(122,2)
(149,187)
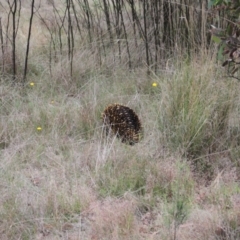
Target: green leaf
(216,39)
(218,2)
(214,3)
(210,3)
(220,53)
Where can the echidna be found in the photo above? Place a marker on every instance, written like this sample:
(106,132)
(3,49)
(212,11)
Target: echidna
(123,122)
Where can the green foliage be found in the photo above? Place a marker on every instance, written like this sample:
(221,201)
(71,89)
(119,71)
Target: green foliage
(179,206)
(227,38)
(219,2)
(177,213)
(216,39)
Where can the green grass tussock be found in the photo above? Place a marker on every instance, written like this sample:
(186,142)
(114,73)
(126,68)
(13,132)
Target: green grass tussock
(195,111)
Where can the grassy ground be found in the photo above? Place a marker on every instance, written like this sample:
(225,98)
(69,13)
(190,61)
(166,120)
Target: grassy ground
(61,178)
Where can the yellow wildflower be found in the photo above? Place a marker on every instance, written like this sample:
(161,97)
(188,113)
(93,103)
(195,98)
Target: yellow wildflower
(31,84)
(154,84)
(39,128)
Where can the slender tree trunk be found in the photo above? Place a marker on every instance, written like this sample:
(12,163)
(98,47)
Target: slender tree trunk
(146,34)
(28,42)
(2,46)
(14,10)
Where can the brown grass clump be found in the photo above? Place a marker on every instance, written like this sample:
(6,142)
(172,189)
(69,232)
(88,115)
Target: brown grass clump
(113,218)
(123,122)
